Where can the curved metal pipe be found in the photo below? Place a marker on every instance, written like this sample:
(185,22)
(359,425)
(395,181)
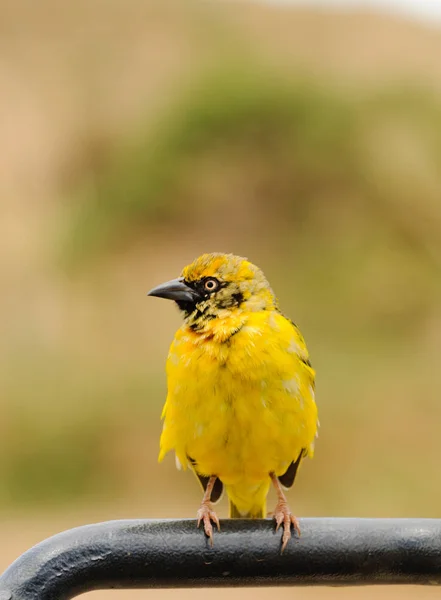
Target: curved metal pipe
(168,553)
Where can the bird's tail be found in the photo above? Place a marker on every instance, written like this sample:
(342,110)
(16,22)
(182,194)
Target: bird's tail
(257,513)
(248,500)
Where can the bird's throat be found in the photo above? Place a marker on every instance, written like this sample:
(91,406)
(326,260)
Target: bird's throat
(219,328)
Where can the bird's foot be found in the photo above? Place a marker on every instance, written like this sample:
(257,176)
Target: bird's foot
(206,514)
(283,516)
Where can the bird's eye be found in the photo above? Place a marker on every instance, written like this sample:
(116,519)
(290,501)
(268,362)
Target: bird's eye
(211,284)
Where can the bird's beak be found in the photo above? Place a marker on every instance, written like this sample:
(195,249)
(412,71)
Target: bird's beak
(176,289)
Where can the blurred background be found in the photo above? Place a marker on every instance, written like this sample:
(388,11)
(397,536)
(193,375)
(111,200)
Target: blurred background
(137,135)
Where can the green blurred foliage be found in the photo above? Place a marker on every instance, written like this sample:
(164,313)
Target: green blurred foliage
(303,134)
(314,142)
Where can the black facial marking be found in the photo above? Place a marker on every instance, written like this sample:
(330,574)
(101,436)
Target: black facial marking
(191,308)
(235,299)
(238,298)
(186,307)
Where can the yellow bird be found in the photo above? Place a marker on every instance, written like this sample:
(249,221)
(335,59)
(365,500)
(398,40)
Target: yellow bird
(240,408)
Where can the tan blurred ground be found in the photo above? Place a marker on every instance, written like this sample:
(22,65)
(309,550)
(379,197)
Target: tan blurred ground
(82,351)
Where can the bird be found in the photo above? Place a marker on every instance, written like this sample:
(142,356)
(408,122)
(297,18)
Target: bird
(240,410)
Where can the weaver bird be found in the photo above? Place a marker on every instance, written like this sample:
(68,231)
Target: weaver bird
(240,409)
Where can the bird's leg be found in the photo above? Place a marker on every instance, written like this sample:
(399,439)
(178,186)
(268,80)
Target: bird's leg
(282,513)
(206,513)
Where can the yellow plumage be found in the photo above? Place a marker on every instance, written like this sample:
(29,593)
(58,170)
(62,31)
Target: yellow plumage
(240,404)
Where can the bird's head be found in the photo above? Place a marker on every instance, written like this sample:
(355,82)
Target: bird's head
(216,285)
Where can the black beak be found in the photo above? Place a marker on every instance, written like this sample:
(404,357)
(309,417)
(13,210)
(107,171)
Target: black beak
(176,289)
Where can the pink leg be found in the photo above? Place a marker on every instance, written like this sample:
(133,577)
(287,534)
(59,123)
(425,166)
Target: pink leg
(282,514)
(206,514)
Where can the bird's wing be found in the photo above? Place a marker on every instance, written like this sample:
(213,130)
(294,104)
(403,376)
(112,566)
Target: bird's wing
(287,479)
(301,351)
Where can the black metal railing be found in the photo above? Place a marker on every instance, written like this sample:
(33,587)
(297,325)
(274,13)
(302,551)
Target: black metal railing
(168,553)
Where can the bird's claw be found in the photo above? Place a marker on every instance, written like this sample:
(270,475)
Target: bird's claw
(283,515)
(206,515)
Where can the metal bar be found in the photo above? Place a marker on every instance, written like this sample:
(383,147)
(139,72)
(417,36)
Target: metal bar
(165,553)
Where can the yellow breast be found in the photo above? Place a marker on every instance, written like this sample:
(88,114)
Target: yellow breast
(240,407)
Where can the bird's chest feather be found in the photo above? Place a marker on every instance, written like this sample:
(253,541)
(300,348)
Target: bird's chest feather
(227,401)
